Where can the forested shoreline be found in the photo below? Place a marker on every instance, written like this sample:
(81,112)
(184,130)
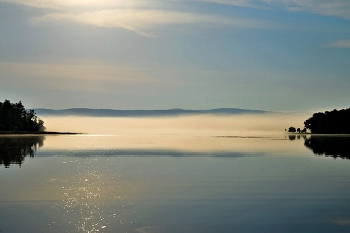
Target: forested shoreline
(333,122)
(329,122)
(15,118)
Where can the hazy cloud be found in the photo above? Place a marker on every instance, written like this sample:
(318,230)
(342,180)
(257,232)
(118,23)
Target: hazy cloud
(341,44)
(83,75)
(69,4)
(241,3)
(342,222)
(338,8)
(138,16)
(142,21)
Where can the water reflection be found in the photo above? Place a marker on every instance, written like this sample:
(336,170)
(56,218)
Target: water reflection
(13,150)
(330,146)
(292,137)
(86,192)
(148,190)
(82,197)
(144,153)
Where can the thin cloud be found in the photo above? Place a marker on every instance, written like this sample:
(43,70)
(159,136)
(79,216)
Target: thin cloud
(339,8)
(241,3)
(341,44)
(83,75)
(143,21)
(85,70)
(342,222)
(238,3)
(141,17)
(66,4)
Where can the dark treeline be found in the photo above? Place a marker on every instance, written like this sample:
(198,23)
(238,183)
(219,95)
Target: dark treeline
(14,117)
(13,150)
(334,122)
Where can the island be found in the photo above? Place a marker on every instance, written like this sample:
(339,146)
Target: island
(15,119)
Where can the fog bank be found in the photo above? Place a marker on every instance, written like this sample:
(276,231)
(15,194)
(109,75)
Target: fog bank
(201,125)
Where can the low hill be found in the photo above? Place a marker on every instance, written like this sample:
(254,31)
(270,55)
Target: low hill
(141,113)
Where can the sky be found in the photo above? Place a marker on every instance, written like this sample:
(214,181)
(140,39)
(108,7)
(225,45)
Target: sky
(276,55)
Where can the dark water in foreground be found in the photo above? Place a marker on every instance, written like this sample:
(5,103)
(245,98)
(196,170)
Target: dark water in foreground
(174,184)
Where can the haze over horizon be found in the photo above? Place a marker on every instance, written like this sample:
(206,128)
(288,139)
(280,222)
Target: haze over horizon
(272,55)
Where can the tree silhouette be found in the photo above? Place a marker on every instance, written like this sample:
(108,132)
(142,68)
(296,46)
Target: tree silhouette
(291,130)
(334,122)
(14,117)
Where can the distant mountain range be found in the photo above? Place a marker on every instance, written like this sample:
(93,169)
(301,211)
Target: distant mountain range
(142,113)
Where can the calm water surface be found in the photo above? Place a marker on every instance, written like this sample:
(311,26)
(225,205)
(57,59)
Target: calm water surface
(172,183)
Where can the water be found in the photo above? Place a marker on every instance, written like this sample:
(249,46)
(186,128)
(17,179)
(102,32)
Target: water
(174,183)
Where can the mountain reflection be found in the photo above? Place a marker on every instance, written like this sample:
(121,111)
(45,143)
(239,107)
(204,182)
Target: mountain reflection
(13,150)
(336,147)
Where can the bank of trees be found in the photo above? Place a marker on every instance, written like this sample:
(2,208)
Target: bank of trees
(293,130)
(14,117)
(334,122)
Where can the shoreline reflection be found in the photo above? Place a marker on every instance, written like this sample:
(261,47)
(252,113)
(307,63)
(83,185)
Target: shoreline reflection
(292,137)
(13,150)
(332,146)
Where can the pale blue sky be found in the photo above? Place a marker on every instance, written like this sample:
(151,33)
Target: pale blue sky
(280,55)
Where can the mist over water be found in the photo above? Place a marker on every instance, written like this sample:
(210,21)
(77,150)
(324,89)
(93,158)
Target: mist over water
(200,125)
(198,133)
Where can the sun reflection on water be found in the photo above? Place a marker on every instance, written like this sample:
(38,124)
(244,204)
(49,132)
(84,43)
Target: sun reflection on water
(86,194)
